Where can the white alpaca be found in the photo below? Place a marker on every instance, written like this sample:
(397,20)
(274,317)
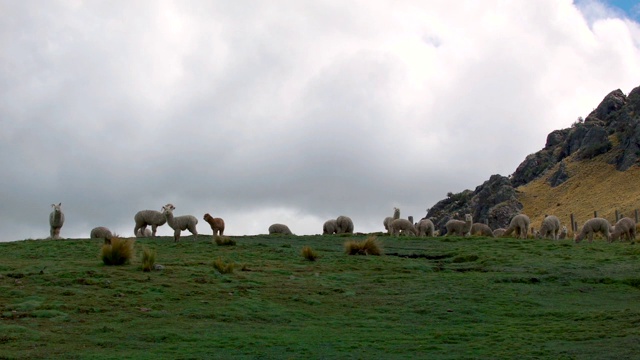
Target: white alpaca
(148,217)
(481,230)
(56,220)
(179,223)
(520,224)
(459,227)
(279,229)
(624,227)
(403,225)
(592,226)
(425,227)
(550,228)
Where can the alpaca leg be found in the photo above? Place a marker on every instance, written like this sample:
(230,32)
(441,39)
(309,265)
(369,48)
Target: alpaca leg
(176,235)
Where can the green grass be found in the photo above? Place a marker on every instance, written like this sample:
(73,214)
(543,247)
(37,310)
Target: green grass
(440,298)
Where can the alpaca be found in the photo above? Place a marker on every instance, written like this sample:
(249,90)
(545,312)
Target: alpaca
(279,229)
(142,233)
(520,224)
(179,223)
(592,226)
(499,232)
(625,227)
(345,225)
(101,232)
(563,233)
(425,227)
(459,227)
(330,227)
(481,230)
(403,225)
(387,221)
(550,228)
(56,220)
(148,217)
(217,224)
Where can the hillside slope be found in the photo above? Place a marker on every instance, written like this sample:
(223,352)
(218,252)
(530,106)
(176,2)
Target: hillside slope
(594,165)
(593,185)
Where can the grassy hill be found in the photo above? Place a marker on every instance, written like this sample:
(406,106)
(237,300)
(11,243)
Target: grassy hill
(436,298)
(593,185)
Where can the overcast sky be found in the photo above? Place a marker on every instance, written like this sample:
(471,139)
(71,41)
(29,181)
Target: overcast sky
(292,112)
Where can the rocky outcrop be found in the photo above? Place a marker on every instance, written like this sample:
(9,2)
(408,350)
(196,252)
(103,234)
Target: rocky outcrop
(494,201)
(613,128)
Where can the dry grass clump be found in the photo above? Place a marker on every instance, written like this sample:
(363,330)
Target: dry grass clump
(309,254)
(223,267)
(370,246)
(224,240)
(119,252)
(148,259)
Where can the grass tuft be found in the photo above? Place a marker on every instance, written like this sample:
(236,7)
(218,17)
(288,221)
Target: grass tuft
(370,246)
(309,254)
(223,267)
(118,252)
(148,259)
(224,241)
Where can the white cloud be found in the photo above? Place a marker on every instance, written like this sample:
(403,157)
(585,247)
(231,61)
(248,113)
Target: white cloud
(295,112)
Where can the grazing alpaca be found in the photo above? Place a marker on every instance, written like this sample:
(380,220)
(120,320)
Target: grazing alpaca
(550,228)
(345,225)
(459,227)
(425,227)
(330,227)
(624,227)
(403,225)
(592,226)
(279,229)
(481,230)
(520,224)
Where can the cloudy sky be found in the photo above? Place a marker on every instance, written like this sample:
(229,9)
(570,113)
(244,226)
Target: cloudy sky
(291,112)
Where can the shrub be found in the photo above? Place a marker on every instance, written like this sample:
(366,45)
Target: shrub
(370,246)
(118,252)
(224,241)
(222,267)
(309,254)
(148,259)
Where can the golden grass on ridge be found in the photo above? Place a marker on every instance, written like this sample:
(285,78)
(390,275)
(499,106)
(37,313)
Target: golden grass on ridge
(593,185)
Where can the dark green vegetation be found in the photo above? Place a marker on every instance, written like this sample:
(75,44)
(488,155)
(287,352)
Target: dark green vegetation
(424,298)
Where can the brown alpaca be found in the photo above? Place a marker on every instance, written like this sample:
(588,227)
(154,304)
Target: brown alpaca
(217,224)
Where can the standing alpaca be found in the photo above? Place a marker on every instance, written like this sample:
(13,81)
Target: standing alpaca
(520,224)
(563,233)
(217,224)
(459,227)
(592,226)
(387,221)
(148,217)
(56,220)
(179,223)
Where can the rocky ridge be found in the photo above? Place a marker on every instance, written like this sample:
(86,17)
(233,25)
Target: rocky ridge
(611,130)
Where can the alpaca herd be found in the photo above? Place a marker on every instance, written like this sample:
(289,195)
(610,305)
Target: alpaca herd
(394,225)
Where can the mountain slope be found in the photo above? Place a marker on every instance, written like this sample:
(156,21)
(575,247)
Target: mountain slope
(591,166)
